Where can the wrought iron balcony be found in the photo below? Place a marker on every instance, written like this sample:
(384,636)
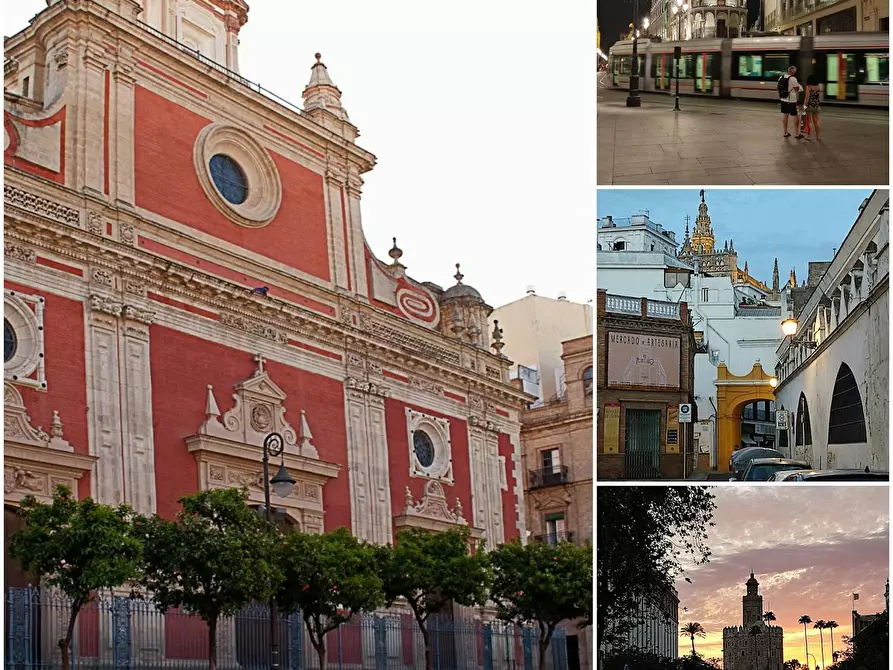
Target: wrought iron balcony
(554,538)
(554,476)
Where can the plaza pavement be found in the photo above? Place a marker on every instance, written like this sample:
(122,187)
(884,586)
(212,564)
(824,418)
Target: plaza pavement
(732,142)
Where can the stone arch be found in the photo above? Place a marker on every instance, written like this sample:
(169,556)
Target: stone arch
(846,420)
(732,394)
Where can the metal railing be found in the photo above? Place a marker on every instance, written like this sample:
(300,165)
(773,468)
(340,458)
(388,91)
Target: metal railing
(234,76)
(119,633)
(554,476)
(554,538)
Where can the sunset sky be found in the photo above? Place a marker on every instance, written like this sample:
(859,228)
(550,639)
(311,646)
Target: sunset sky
(810,549)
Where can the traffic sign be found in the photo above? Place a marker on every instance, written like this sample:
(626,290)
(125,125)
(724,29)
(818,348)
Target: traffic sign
(685,413)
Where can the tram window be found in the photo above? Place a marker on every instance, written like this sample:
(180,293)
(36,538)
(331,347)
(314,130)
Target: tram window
(775,65)
(750,66)
(877,68)
(685,67)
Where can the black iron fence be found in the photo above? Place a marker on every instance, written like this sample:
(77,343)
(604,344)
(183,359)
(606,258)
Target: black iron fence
(120,633)
(554,538)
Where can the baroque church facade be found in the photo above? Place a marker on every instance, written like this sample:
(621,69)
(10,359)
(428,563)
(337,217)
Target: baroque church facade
(187,272)
(756,643)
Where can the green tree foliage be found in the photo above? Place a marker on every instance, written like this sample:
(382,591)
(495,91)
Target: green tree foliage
(78,546)
(542,584)
(431,571)
(644,533)
(328,578)
(216,558)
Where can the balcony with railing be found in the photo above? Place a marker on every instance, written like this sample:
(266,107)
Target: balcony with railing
(553,539)
(554,476)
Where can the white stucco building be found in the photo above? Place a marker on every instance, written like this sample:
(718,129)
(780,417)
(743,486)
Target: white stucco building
(833,373)
(728,330)
(538,326)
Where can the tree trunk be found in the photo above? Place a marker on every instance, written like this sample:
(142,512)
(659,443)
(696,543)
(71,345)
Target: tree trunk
(806,641)
(429,652)
(544,646)
(212,643)
(65,643)
(321,653)
(692,646)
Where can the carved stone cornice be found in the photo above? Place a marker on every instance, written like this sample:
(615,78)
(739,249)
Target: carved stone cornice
(371,388)
(19,252)
(402,346)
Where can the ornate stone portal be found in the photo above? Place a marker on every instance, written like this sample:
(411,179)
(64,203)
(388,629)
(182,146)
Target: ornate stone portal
(433,512)
(36,462)
(229,450)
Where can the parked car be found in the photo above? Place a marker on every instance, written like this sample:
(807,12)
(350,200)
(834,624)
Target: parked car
(763,469)
(740,459)
(854,475)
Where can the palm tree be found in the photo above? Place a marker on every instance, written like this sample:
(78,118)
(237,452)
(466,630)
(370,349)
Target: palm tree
(821,625)
(831,625)
(793,664)
(754,631)
(691,629)
(805,620)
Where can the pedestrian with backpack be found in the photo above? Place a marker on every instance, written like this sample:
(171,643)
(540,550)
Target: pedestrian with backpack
(788,87)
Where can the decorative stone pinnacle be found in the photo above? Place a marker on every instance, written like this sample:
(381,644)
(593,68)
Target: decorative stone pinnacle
(260,360)
(317,56)
(458,276)
(498,344)
(396,252)
(56,425)
(458,326)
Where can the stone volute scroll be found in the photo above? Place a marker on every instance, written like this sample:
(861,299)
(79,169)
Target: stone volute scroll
(433,512)
(229,448)
(36,462)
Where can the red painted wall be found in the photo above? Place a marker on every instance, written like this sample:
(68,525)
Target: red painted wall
(509,500)
(166,183)
(182,368)
(66,373)
(398,459)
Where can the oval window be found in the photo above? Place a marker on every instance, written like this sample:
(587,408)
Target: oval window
(424,448)
(10,341)
(229,179)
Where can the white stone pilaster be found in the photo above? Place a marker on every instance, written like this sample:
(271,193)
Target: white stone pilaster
(91,136)
(367,455)
(136,406)
(103,387)
(337,242)
(121,160)
(356,242)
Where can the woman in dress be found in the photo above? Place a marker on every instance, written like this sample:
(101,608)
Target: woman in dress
(811,102)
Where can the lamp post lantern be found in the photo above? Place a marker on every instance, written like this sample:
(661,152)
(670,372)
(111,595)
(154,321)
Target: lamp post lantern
(633,99)
(282,484)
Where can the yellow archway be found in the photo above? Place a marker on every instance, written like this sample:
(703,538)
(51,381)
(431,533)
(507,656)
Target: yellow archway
(732,393)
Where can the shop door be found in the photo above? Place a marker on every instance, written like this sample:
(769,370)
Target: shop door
(642,445)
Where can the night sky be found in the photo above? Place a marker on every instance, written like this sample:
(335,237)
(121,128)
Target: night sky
(614,17)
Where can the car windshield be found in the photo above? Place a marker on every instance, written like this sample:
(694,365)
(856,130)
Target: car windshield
(762,473)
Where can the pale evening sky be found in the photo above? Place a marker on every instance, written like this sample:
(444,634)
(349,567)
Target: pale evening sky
(481,115)
(810,548)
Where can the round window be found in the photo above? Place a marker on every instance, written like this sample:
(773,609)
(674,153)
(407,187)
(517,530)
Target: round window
(229,179)
(10,341)
(424,448)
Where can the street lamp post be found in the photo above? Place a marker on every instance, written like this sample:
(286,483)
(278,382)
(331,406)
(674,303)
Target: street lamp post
(282,484)
(633,99)
(679,9)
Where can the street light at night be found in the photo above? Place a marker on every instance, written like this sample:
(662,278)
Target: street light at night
(773,382)
(633,99)
(789,327)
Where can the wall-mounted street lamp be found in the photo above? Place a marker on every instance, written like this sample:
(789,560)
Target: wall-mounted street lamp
(283,484)
(773,382)
(789,327)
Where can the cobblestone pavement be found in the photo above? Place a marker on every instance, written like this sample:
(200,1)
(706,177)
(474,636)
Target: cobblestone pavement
(731,142)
